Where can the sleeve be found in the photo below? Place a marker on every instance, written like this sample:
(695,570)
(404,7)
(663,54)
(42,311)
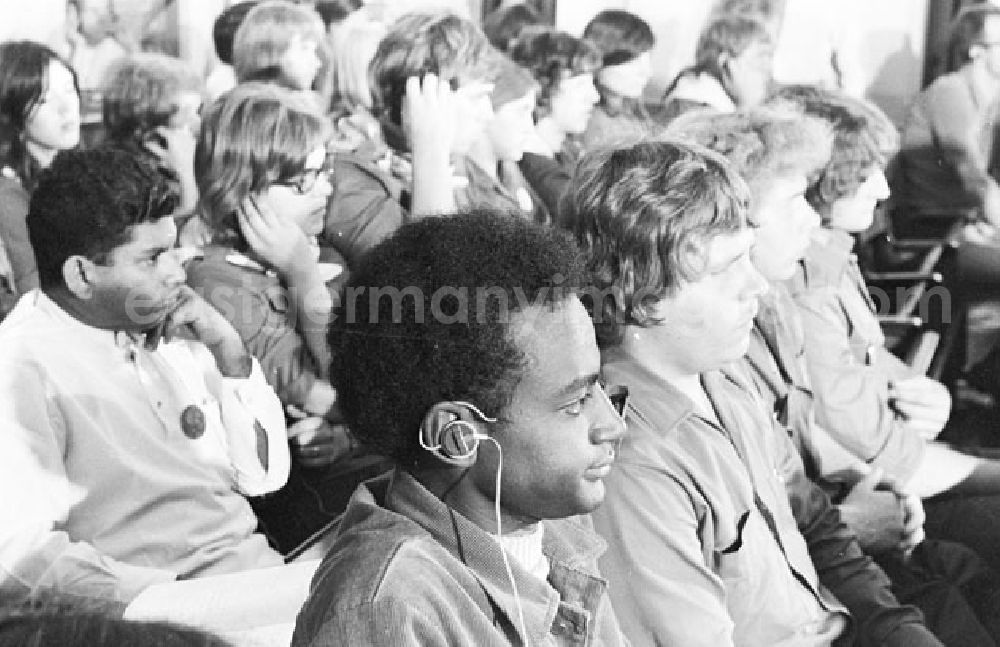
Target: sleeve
(362,210)
(852,399)
(262,321)
(957,130)
(879,619)
(383,623)
(248,404)
(547,177)
(14,234)
(36,557)
(661,588)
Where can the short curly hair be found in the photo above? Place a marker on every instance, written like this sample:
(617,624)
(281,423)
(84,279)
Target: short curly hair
(141,93)
(643,215)
(552,56)
(762,144)
(450,46)
(87,203)
(253,136)
(864,138)
(405,338)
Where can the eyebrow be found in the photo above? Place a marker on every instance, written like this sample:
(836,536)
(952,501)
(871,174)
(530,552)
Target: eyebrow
(577,384)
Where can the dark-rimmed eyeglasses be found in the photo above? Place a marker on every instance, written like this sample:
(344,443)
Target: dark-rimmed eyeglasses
(306,181)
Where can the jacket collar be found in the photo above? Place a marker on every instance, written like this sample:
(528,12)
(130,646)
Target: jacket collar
(568,544)
(825,262)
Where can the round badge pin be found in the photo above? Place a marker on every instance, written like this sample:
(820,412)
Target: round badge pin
(193,422)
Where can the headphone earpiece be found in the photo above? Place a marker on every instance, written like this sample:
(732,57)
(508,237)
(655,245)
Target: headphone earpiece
(456,442)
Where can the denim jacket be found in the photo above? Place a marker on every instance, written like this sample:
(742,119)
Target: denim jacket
(406,569)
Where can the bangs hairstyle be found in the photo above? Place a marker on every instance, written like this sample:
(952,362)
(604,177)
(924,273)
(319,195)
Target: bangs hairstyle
(142,92)
(644,215)
(395,358)
(620,36)
(762,144)
(553,56)
(255,135)
(864,137)
(730,35)
(24,80)
(444,44)
(265,35)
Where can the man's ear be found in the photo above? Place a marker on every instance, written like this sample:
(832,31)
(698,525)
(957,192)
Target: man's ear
(79,273)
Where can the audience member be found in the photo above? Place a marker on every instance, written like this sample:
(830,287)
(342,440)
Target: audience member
(151,105)
(223,78)
(732,68)
(869,400)
(134,419)
(776,152)
(564,67)
(945,163)
(431,82)
(261,170)
(504,25)
(334,12)
(277,42)
(698,517)
(474,537)
(39,116)
(349,93)
(491,167)
(625,42)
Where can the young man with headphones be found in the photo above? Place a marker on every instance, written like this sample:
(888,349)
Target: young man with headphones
(464,353)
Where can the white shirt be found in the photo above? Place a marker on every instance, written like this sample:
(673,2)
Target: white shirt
(103,494)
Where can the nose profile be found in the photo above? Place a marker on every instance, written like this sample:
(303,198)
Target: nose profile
(609,425)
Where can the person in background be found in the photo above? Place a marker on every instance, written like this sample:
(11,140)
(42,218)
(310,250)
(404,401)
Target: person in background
(867,398)
(431,80)
(716,535)
(39,116)
(278,42)
(223,76)
(625,42)
(732,68)
(151,108)
(777,152)
(501,437)
(947,156)
(564,67)
(349,101)
(135,422)
(334,12)
(504,25)
(491,167)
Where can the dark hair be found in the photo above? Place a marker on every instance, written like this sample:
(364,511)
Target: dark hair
(142,93)
(56,628)
(863,137)
(87,203)
(504,25)
(396,356)
(224,29)
(334,11)
(967,29)
(447,45)
(619,35)
(643,215)
(24,80)
(553,56)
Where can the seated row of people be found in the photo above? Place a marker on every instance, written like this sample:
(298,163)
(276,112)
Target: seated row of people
(465,350)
